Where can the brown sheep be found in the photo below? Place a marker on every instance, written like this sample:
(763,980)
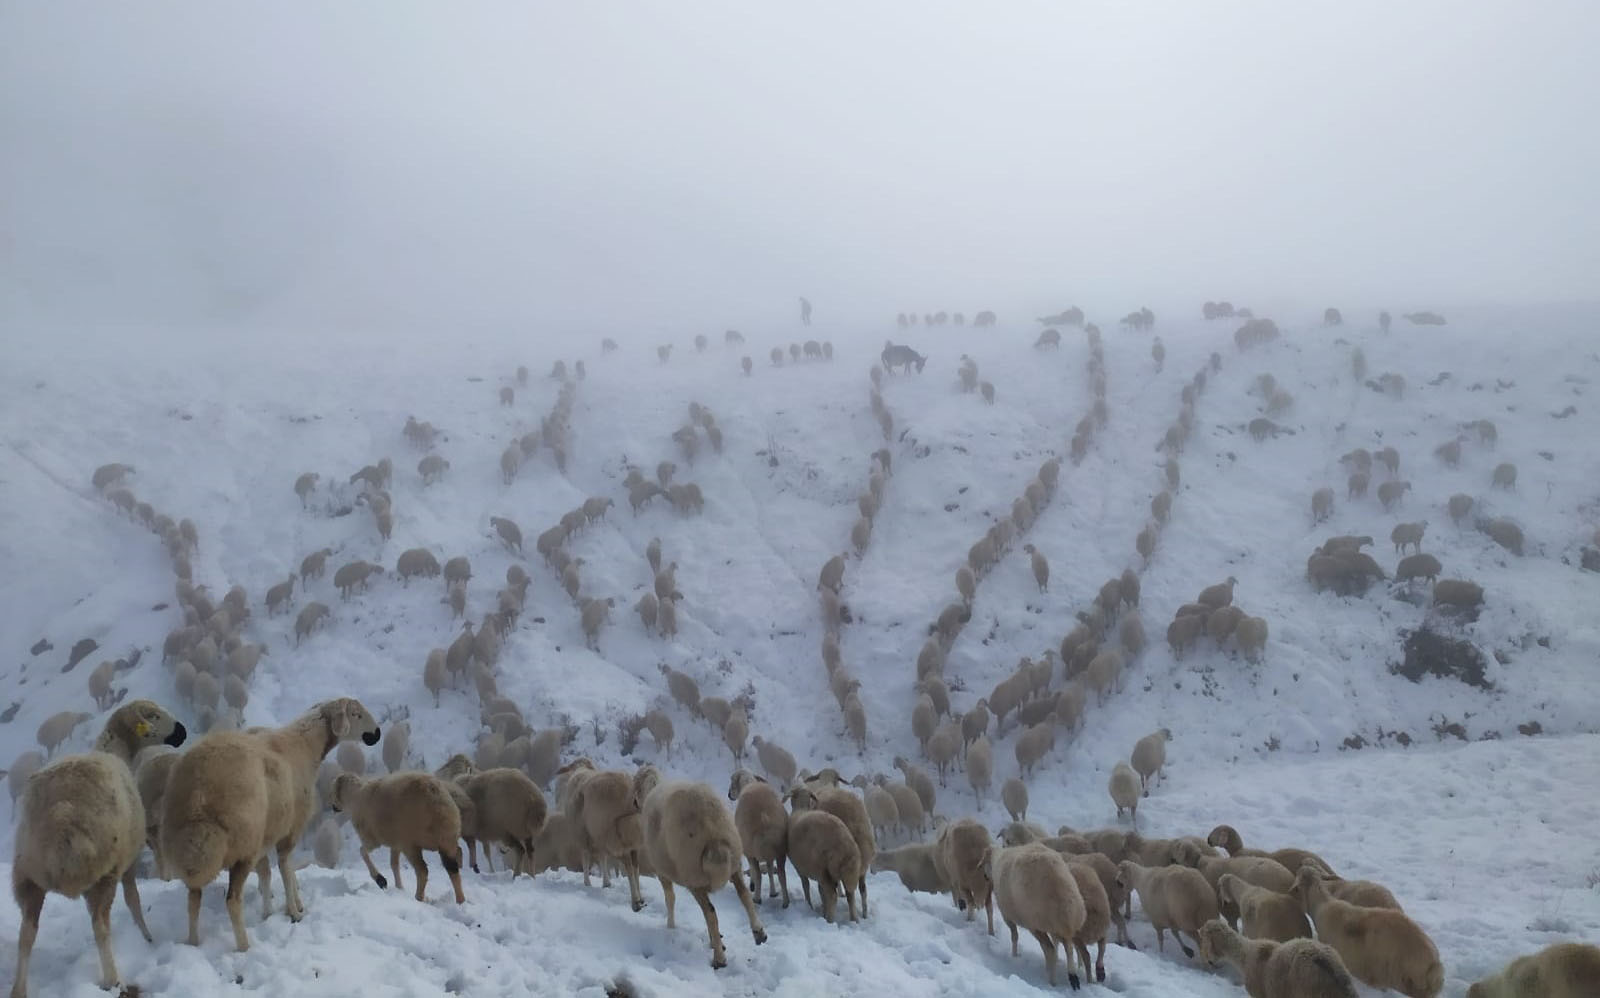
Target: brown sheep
(1381,947)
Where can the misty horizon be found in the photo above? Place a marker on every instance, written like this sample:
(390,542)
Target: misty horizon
(702,167)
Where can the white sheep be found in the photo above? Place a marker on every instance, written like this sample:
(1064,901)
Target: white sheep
(1014,796)
(917,866)
(822,849)
(1150,757)
(1562,970)
(235,796)
(1263,913)
(1041,567)
(1173,897)
(1382,947)
(80,827)
(1298,969)
(961,851)
(508,808)
(848,808)
(1036,889)
(691,840)
(606,806)
(763,831)
(980,767)
(1124,789)
(408,812)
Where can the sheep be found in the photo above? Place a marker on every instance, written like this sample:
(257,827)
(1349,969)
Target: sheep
(692,841)
(1014,795)
(1459,507)
(1390,492)
(416,561)
(685,691)
(661,731)
(716,712)
(1032,746)
(1504,533)
(80,827)
(1356,487)
(776,760)
(1037,890)
(763,830)
(822,848)
(1105,672)
(666,581)
(1150,757)
(26,765)
(1173,897)
(832,574)
(312,565)
(1418,566)
(108,475)
(1218,596)
(850,809)
(746,364)
(596,614)
(1457,593)
(1381,947)
(918,781)
(354,576)
(508,808)
(962,848)
(606,808)
(1145,543)
(980,767)
(1562,970)
(1251,635)
(1124,789)
(917,865)
(57,728)
(408,812)
(1041,568)
(1263,913)
(1227,838)
(1408,534)
(734,733)
(235,795)
(1301,968)
(1321,504)
(855,722)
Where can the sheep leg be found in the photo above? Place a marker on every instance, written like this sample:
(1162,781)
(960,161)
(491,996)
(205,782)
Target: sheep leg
(828,894)
(488,860)
(758,932)
(377,878)
(783,877)
(805,884)
(862,884)
(1013,927)
(671,899)
(394,868)
(194,916)
(130,896)
(1161,940)
(1099,961)
(755,877)
(1178,937)
(988,905)
(292,905)
(264,884)
(30,898)
(630,862)
(238,873)
(414,854)
(452,868)
(99,899)
(719,958)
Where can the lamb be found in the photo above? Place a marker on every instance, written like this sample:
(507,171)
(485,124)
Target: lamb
(1408,534)
(1173,897)
(606,806)
(1298,969)
(1381,947)
(508,808)
(1150,757)
(691,840)
(1263,913)
(236,795)
(1563,970)
(1418,566)
(1037,890)
(1124,789)
(1251,635)
(763,831)
(962,849)
(408,812)
(80,828)
(848,808)
(1014,795)
(917,866)
(822,848)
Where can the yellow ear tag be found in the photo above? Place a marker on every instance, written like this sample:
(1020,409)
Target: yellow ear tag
(142,729)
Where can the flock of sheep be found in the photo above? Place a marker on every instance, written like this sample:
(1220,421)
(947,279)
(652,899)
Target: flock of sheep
(236,798)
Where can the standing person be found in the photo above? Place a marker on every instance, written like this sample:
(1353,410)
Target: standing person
(805,312)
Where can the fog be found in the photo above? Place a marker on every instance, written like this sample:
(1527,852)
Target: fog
(571,167)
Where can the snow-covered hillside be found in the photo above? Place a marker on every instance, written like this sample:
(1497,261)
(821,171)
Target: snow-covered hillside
(1430,787)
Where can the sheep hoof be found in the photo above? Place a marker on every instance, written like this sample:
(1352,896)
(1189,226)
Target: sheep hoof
(1072,979)
(1100,974)
(761,936)
(1147,793)
(638,905)
(474,867)
(1187,951)
(382,880)
(717,963)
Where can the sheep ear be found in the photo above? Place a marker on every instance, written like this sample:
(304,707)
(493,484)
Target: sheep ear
(340,722)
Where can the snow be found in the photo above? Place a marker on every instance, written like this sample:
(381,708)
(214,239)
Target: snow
(1484,834)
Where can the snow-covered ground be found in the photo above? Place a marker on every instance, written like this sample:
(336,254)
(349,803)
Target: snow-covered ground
(1484,834)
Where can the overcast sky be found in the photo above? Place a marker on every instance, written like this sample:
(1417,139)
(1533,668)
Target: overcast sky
(700,163)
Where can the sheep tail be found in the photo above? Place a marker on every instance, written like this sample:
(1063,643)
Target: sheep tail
(195,851)
(716,858)
(1433,983)
(73,849)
